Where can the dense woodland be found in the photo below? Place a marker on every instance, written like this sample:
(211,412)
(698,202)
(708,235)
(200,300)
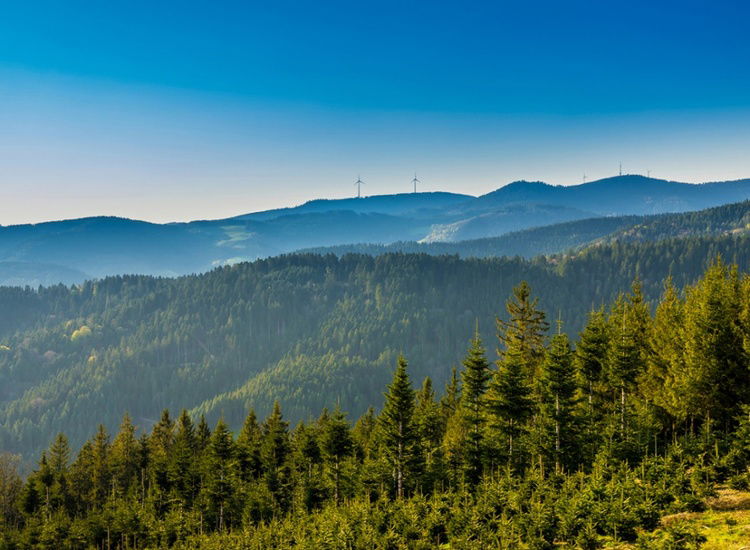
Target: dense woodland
(546,442)
(311,331)
(572,236)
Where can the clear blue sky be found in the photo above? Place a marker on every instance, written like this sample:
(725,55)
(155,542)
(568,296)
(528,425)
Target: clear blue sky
(183,110)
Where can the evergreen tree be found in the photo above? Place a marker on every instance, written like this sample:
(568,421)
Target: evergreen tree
(160,443)
(430,429)
(248,447)
(336,444)
(509,402)
(475,377)
(221,469)
(100,470)
(124,456)
(275,451)
(716,373)
(522,334)
(662,382)
(181,468)
(451,396)
(59,454)
(559,384)
(591,353)
(400,437)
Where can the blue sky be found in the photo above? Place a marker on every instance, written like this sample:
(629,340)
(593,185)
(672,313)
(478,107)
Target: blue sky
(207,109)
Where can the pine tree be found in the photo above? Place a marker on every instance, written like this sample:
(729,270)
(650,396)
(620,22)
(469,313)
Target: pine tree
(451,396)
(336,444)
(509,401)
(522,334)
(59,454)
(591,352)
(399,434)
(475,377)
(160,442)
(275,451)
(181,467)
(100,466)
(625,358)
(559,384)
(124,455)
(716,373)
(430,429)
(202,435)
(248,447)
(221,470)
(662,383)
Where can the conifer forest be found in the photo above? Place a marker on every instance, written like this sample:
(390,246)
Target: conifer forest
(536,440)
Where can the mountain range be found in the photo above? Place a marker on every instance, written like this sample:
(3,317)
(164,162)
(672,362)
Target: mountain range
(71,251)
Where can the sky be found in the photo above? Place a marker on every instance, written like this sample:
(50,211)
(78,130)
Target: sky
(170,111)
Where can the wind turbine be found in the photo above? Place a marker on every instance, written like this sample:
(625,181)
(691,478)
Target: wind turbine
(359,183)
(415,181)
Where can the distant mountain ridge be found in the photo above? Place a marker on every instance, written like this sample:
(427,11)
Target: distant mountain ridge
(100,246)
(571,236)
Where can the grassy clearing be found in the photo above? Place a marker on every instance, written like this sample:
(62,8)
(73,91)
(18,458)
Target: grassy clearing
(725,523)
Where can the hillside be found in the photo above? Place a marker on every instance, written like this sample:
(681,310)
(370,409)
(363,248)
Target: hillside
(71,250)
(636,434)
(569,236)
(289,327)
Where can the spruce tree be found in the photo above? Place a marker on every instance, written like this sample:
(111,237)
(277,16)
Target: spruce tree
(522,334)
(399,434)
(717,377)
(275,450)
(559,384)
(248,447)
(59,454)
(591,353)
(336,444)
(181,469)
(475,378)
(124,455)
(221,472)
(509,402)
(430,429)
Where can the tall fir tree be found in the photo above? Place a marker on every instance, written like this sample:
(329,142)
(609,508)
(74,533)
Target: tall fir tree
(509,403)
(275,451)
(523,333)
(124,455)
(475,378)
(221,473)
(336,445)
(559,384)
(399,434)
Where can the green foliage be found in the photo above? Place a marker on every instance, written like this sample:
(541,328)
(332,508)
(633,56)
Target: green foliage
(469,469)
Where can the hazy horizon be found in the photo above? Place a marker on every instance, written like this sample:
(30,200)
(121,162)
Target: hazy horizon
(212,111)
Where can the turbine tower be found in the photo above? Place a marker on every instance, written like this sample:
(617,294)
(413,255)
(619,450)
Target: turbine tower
(415,181)
(359,183)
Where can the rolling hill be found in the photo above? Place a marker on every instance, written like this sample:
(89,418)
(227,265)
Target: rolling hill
(70,251)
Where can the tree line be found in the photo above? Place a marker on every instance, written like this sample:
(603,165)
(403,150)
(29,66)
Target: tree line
(546,443)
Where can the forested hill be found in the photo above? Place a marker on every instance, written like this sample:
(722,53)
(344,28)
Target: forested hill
(569,236)
(616,439)
(310,330)
(71,251)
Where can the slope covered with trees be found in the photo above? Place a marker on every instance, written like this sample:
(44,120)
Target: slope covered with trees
(552,442)
(572,236)
(309,330)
